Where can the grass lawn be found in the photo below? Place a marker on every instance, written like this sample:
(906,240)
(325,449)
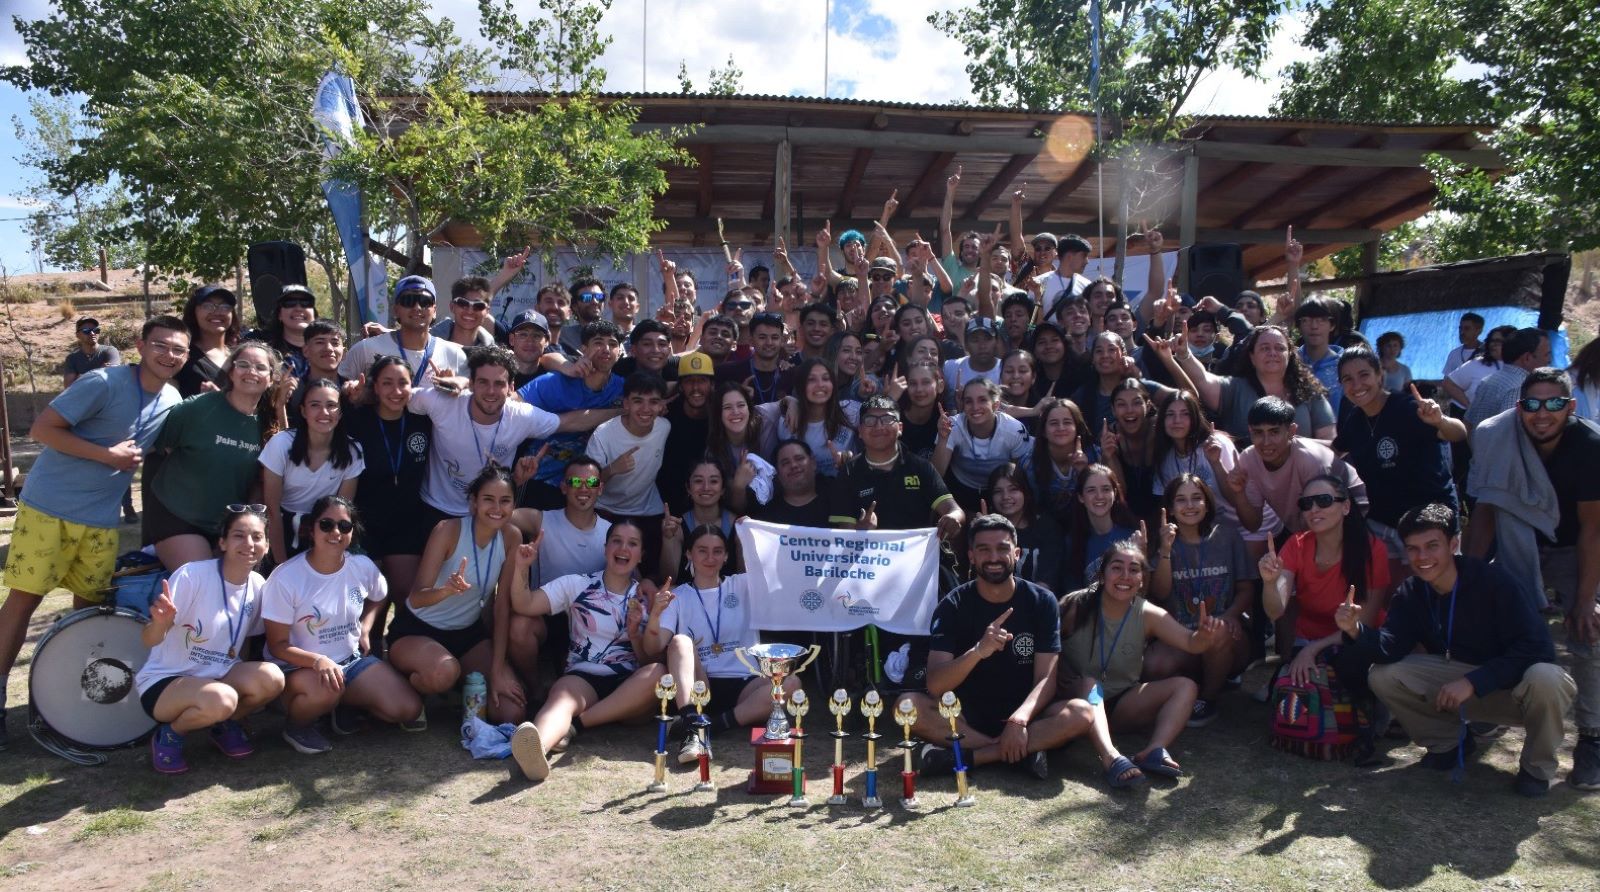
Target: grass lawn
(391,810)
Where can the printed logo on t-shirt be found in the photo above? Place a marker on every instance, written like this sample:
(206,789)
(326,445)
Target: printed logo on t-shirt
(313,621)
(912,482)
(355,595)
(1387,449)
(1022,645)
(417,443)
(730,600)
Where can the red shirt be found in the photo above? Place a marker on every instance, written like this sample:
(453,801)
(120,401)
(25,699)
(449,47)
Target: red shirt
(1320,592)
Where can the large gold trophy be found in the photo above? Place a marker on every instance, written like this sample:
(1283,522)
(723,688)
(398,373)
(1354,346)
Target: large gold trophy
(774,746)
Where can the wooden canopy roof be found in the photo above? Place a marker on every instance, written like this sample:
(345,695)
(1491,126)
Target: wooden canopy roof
(766,159)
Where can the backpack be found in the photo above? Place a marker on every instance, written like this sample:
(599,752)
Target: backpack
(1317,719)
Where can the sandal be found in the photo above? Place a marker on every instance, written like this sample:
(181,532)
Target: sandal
(1159,762)
(1119,767)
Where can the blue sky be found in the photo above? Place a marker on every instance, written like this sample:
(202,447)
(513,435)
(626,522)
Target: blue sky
(872,46)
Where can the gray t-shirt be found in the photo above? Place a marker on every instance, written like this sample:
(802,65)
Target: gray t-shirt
(1238,395)
(80,363)
(105,407)
(1207,572)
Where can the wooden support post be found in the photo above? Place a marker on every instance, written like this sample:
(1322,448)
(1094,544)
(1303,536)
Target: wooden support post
(782,183)
(1187,212)
(1369,268)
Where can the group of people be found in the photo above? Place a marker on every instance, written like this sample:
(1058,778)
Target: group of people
(1139,499)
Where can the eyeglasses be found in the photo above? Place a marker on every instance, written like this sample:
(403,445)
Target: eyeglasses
(414,299)
(737,305)
(886,277)
(247,508)
(296,303)
(1320,500)
(215,306)
(89,331)
(1549,403)
(166,349)
(583,482)
(328,525)
(474,305)
(879,420)
(248,366)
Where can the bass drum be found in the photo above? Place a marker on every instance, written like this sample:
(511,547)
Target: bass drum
(80,686)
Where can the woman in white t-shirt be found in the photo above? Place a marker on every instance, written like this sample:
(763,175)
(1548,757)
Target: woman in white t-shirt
(193,677)
(609,676)
(814,414)
(709,619)
(302,465)
(971,445)
(319,607)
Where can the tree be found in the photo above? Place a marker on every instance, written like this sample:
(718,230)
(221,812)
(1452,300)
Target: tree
(720,81)
(70,222)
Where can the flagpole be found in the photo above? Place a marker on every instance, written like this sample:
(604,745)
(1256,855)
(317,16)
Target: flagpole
(1094,97)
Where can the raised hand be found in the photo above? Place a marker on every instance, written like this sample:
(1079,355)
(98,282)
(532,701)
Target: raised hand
(372,330)
(1238,480)
(1169,533)
(1208,630)
(995,637)
(671,528)
(1348,616)
(869,518)
(953,181)
(1154,240)
(983,506)
(528,466)
(1271,566)
(668,268)
(662,598)
(354,391)
(1428,411)
(946,425)
(125,456)
(824,242)
(1213,451)
(162,610)
(1108,440)
(515,262)
(1142,539)
(891,204)
(780,254)
(894,387)
(989,241)
(1293,251)
(1019,194)
(528,552)
(1209,304)
(457,583)
(623,463)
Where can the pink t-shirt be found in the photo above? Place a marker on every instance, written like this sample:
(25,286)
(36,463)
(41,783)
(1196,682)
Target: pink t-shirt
(1320,592)
(1281,488)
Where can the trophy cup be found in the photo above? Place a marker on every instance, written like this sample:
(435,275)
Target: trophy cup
(839,705)
(798,707)
(774,748)
(872,707)
(666,689)
(905,715)
(700,695)
(950,708)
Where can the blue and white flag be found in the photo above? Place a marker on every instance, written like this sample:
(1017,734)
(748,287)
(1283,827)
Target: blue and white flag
(826,580)
(338,115)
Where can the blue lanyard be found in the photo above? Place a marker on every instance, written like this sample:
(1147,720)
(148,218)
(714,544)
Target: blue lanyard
(396,452)
(138,418)
(427,354)
(233,635)
(487,456)
(716,628)
(1106,660)
(477,568)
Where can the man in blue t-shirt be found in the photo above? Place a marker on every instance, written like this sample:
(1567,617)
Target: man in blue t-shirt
(95,435)
(588,383)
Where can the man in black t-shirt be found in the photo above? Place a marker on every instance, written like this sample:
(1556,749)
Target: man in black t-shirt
(996,642)
(888,488)
(796,502)
(690,415)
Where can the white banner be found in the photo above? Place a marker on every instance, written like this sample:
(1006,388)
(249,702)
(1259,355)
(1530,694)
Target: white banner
(1135,272)
(822,580)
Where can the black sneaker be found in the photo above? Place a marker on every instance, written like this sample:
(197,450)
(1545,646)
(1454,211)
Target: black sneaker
(1203,714)
(936,761)
(1530,786)
(1446,760)
(346,720)
(5,738)
(1037,765)
(1234,682)
(1585,773)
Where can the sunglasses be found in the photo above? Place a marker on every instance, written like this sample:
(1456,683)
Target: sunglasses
(328,525)
(886,277)
(1549,403)
(247,508)
(475,305)
(296,303)
(1320,500)
(415,299)
(591,297)
(583,482)
(738,305)
(215,306)
(89,331)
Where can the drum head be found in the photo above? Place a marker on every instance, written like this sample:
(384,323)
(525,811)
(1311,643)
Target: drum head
(81,681)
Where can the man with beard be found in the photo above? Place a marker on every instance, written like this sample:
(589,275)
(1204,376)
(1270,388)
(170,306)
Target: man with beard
(423,352)
(690,415)
(996,642)
(796,502)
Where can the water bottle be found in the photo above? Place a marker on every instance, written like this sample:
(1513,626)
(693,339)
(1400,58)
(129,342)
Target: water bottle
(474,696)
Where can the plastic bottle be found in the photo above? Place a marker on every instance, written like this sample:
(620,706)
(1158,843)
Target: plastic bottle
(475,696)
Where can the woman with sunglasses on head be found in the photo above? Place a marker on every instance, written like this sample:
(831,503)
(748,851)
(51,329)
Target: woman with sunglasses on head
(440,632)
(319,609)
(1393,440)
(194,677)
(1201,562)
(205,457)
(617,637)
(300,466)
(971,445)
(1009,494)
(212,319)
(394,446)
(816,414)
(1062,448)
(1333,558)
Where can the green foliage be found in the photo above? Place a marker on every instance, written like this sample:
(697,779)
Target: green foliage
(70,222)
(1035,54)
(721,81)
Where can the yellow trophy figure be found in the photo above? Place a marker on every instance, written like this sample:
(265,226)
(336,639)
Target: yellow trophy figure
(905,715)
(950,708)
(839,705)
(666,689)
(700,695)
(798,707)
(872,707)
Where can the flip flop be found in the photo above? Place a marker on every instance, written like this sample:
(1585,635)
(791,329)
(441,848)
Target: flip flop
(1120,766)
(1156,762)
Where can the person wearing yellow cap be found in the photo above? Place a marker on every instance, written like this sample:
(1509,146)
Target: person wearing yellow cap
(690,415)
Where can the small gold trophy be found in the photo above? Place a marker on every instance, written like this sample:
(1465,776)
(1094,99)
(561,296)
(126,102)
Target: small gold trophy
(950,708)
(666,690)
(872,707)
(798,707)
(700,695)
(839,705)
(905,715)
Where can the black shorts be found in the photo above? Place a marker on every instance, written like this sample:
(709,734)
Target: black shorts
(158,523)
(986,715)
(725,692)
(153,693)
(385,534)
(604,685)
(456,641)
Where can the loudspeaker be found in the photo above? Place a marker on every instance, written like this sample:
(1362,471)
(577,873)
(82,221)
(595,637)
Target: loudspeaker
(272,266)
(1217,270)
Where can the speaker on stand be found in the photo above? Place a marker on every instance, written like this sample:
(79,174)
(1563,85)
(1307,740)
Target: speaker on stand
(1217,270)
(273,265)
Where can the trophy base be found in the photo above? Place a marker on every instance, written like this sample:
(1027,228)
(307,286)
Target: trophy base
(704,787)
(966,802)
(799,802)
(774,768)
(838,800)
(873,802)
(911,804)
(656,788)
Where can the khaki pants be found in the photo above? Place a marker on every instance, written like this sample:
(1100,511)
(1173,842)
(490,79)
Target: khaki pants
(1560,569)
(1538,703)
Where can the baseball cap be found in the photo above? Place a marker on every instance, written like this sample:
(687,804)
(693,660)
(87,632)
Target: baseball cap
(1044,238)
(86,322)
(299,292)
(982,324)
(533,318)
(215,291)
(882,263)
(1070,243)
(415,283)
(691,364)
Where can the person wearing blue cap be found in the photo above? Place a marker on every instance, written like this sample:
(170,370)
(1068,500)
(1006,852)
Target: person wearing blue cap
(424,353)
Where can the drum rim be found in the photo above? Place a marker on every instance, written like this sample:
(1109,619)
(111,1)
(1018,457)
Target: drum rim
(66,621)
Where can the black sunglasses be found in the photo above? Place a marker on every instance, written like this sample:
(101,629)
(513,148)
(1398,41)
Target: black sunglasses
(1549,403)
(303,303)
(89,331)
(415,299)
(737,305)
(1320,500)
(327,525)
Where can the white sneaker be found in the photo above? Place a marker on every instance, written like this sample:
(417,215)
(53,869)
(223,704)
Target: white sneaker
(528,750)
(692,750)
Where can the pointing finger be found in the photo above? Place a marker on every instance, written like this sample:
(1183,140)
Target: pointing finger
(1350,597)
(1000,620)
(462,569)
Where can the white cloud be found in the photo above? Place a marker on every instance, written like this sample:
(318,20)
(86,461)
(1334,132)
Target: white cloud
(1227,92)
